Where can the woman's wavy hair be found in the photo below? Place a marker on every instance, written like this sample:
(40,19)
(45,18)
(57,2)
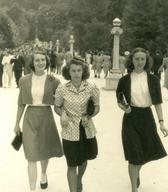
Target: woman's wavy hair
(41,52)
(76,61)
(129,62)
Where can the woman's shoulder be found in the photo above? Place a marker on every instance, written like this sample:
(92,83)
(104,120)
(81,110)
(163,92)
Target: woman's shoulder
(90,85)
(125,77)
(26,77)
(153,77)
(52,78)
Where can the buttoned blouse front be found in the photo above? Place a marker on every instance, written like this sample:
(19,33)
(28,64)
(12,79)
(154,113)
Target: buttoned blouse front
(74,103)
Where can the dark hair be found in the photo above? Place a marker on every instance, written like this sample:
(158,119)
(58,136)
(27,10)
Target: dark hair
(129,63)
(32,61)
(76,61)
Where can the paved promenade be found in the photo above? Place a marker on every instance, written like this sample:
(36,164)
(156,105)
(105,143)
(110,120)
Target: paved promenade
(107,173)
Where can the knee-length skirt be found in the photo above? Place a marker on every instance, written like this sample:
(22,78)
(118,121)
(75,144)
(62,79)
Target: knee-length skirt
(77,152)
(41,140)
(141,142)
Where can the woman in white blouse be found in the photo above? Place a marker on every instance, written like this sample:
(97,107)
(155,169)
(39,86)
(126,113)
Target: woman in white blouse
(40,136)
(78,130)
(136,92)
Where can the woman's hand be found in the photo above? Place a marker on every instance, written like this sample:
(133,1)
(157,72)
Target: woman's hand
(85,121)
(64,119)
(17,129)
(163,129)
(126,109)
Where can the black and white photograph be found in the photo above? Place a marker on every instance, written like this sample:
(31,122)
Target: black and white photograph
(84,95)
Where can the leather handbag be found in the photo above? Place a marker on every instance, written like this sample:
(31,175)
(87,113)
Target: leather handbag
(90,107)
(17,141)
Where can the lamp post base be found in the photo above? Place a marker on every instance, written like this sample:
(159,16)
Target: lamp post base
(112,81)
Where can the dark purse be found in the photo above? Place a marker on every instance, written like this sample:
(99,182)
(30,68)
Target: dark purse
(17,142)
(90,107)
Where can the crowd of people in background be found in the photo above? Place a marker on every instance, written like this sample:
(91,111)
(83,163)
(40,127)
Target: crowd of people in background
(16,63)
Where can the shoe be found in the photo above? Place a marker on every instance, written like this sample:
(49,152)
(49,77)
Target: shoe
(44,182)
(138,182)
(44,185)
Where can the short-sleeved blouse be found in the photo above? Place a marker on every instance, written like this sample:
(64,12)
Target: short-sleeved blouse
(74,103)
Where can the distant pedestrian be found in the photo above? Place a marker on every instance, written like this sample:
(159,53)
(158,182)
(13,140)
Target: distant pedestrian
(106,63)
(27,60)
(53,61)
(94,63)
(59,61)
(164,67)
(1,68)
(7,69)
(122,62)
(136,93)
(157,62)
(88,57)
(18,66)
(99,63)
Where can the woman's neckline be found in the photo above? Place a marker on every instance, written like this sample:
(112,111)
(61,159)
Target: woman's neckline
(39,75)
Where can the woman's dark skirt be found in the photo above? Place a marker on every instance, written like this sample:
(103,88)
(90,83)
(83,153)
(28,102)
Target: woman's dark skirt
(140,139)
(77,152)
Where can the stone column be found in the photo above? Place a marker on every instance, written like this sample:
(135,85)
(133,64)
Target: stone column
(57,46)
(71,43)
(114,76)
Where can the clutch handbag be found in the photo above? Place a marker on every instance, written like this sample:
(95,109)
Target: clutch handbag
(17,141)
(90,107)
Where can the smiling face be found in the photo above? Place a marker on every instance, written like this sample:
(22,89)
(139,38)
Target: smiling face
(76,72)
(139,61)
(39,62)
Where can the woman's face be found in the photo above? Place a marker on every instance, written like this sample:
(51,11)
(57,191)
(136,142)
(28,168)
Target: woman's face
(39,62)
(76,72)
(139,61)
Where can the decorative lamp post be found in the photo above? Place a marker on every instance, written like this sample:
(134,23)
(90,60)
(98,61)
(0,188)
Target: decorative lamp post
(71,43)
(57,46)
(112,80)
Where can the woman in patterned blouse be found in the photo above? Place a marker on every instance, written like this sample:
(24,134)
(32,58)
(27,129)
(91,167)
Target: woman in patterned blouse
(78,130)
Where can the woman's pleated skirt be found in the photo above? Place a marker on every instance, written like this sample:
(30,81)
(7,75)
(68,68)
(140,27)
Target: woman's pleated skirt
(77,152)
(41,140)
(141,142)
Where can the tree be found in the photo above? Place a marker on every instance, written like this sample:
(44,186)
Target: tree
(140,25)
(93,35)
(18,15)
(162,7)
(115,9)
(7,31)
